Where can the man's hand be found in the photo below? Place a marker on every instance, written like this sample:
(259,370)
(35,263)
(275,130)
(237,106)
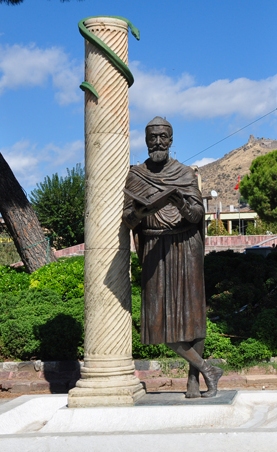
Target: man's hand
(142,211)
(177,200)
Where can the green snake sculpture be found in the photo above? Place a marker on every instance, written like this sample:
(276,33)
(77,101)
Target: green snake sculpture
(112,57)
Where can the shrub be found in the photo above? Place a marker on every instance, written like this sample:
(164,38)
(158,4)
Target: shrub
(265,328)
(236,287)
(216,345)
(8,252)
(38,323)
(217,227)
(42,314)
(65,277)
(260,227)
(248,353)
(61,337)
(13,279)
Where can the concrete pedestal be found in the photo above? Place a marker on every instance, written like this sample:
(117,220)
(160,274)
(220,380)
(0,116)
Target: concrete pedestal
(246,422)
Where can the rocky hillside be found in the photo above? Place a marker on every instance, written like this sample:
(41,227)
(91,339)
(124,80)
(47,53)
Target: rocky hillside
(222,175)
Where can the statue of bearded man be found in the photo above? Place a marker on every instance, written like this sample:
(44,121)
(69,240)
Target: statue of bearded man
(169,241)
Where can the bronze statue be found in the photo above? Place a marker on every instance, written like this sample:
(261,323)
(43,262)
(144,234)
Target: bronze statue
(163,206)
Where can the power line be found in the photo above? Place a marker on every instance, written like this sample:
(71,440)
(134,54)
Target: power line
(231,134)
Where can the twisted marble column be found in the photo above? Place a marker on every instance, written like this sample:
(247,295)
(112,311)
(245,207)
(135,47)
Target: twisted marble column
(107,377)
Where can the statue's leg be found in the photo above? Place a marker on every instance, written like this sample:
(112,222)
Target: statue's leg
(193,375)
(211,374)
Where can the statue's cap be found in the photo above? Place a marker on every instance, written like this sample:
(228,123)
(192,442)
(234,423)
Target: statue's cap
(159,121)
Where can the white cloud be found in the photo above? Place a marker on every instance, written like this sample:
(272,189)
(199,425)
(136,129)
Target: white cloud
(23,160)
(153,92)
(61,155)
(204,161)
(67,82)
(30,164)
(27,66)
(156,93)
(137,139)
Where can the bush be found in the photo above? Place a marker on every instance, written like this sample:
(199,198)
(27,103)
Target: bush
(38,323)
(216,345)
(260,227)
(13,279)
(249,353)
(217,227)
(41,315)
(246,353)
(236,288)
(265,329)
(61,337)
(65,277)
(8,252)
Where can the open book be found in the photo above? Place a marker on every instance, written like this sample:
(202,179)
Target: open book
(156,201)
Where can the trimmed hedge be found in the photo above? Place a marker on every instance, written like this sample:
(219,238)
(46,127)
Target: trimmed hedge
(41,315)
(39,324)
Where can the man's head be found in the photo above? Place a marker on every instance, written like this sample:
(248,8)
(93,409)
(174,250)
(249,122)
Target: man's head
(159,137)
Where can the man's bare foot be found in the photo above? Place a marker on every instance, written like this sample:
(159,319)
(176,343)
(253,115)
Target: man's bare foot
(193,388)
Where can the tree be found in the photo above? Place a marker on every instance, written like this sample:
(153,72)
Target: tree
(59,204)
(260,227)
(217,227)
(22,222)
(260,186)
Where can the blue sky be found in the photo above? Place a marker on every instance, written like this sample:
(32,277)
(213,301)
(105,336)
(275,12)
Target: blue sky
(208,66)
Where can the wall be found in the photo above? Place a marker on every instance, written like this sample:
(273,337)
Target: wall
(75,250)
(213,243)
(237,242)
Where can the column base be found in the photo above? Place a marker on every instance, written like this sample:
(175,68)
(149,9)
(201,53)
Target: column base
(106,381)
(91,396)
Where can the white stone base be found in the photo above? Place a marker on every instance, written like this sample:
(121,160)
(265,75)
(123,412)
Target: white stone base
(32,423)
(149,442)
(93,397)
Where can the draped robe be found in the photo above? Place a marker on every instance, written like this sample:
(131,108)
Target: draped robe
(170,247)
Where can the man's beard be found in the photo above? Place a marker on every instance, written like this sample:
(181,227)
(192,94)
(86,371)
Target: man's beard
(158,156)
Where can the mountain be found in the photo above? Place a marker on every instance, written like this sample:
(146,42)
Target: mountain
(222,175)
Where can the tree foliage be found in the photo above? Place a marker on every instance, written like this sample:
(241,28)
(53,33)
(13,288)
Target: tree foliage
(260,227)
(260,186)
(8,252)
(217,227)
(59,205)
